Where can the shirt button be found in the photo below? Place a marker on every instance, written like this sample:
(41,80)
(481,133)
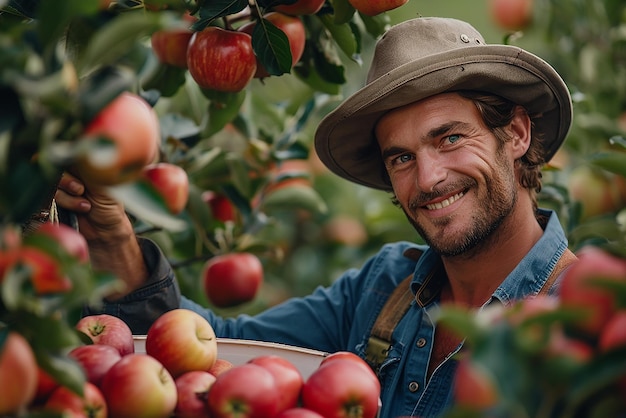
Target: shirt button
(414,386)
(421,342)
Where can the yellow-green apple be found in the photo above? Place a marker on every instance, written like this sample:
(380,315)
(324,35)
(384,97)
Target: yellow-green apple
(300,7)
(256,398)
(170,46)
(581,288)
(170,181)
(221,59)
(18,374)
(220,366)
(376,7)
(474,386)
(298,412)
(138,386)
(109,330)
(182,341)
(291,26)
(221,208)
(232,279)
(67,402)
(340,387)
(287,377)
(193,390)
(68,238)
(129,132)
(511,14)
(595,190)
(96,360)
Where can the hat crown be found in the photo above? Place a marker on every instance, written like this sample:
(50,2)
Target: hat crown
(420,38)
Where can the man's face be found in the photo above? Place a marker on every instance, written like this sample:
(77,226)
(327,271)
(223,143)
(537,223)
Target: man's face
(453,179)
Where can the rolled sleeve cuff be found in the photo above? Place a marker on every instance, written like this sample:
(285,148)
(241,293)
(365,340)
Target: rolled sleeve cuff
(142,307)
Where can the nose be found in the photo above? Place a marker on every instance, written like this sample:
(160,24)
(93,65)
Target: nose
(429,172)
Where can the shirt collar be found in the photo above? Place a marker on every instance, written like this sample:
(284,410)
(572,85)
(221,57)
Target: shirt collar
(526,279)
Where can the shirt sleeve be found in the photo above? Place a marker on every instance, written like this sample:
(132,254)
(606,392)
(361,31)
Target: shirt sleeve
(160,294)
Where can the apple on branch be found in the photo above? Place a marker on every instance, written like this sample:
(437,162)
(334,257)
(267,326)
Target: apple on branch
(232,279)
(376,7)
(171,184)
(220,59)
(170,46)
(300,7)
(18,374)
(291,26)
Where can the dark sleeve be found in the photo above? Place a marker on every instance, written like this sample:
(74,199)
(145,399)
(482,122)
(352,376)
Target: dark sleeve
(160,293)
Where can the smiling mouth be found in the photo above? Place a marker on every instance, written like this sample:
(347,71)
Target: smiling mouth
(446,202)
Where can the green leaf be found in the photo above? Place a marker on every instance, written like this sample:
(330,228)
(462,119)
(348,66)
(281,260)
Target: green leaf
(223,108)
(343,11)
(376,25)
(166,79)
(100,89)
(211,10)
(343,35)
(117,38)
(142,201)
(614,162)
(271,46)
(63,369)
(53,17)
(294,197)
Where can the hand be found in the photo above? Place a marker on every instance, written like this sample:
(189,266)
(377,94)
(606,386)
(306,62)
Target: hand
(100,217)
(109,232)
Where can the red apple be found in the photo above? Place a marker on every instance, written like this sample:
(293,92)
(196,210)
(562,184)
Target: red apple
(45,271)
(72,241)
(96,360)
(131,128)
(348,355)
(292,27)
(232,279)
(580,288)
(170,46)
(300,7)
(18,374)
(376,7)
(221,208)
(109,330)
(247,390)
(170,182)
(70,404)
(298,413)
(288,379)
(474,386)
(220,59)
(341,387)
(193,389)
(613,334)
(45,386)
(511,14)
(139,386)
(182,341)
(220,366)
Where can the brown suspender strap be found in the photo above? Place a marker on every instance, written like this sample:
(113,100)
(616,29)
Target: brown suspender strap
(394,309)
(567,258)
(398,304)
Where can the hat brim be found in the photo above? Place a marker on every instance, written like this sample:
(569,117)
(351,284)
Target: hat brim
(345,141)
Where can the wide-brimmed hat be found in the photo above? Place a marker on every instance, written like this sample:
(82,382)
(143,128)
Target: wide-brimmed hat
(426,56)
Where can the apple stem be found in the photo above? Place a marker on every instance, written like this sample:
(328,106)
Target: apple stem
(96,329)
(354,410)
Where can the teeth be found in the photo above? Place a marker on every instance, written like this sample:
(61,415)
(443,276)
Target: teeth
(445,203)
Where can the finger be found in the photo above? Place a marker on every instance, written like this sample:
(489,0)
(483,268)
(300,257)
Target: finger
(71,185)
(71,202)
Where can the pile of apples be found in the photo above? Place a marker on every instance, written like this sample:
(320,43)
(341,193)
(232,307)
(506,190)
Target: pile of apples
(181,374)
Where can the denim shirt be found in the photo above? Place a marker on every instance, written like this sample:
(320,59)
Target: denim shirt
(340,316)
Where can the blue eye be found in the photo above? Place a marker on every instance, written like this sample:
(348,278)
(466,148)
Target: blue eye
(453,138)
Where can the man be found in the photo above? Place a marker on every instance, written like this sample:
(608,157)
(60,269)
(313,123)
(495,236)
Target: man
(458,131)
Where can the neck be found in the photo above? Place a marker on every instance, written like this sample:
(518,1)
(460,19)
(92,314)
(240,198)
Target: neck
(474,277)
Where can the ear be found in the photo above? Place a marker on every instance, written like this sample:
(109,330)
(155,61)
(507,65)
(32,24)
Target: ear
(520,131)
